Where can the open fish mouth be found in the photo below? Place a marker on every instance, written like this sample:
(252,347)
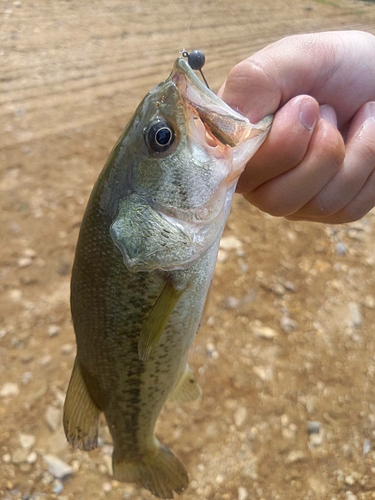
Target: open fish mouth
(215,125)
(225,124)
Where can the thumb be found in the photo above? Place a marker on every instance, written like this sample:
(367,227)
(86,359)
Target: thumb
(332,67)
(252,90)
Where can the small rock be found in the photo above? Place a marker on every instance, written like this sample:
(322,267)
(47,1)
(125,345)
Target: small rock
(29,252)
(242,493)
(350,496)
(295,456)
(76,465)
(31,457)
(366,448)
(211,351)
(355,233)
(316,439)
(232,302)
(341,248)
(287,324)
(27,357)
(289,432)
(230,243)
(369,302)
(277,288)
(24,261)
(244,268)
(53,417)
(9,485)
(211,321)
(222,256)
(107,459)
(220,479)
(291,235)
(27,441)
(107,487)
(290,286)
(103,469)
(67,348)
(313,427)
(15,295)
(264,373)
(212,430)
(57,467)
(285,420)
(349,480)
(45,360)
(262,331)
(53,330)
(355,314)
(14,227)
(240,416)
(9,389)
(19,455)
(59,397)
(57,487)
(26,378)
(7,458)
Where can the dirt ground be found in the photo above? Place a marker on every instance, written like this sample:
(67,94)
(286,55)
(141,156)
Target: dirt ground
(286,359)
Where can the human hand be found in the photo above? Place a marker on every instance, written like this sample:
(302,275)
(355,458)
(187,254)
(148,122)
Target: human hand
(318,162)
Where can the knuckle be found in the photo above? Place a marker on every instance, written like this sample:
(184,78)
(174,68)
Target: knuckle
(291,156)
(271,205)
(275,206)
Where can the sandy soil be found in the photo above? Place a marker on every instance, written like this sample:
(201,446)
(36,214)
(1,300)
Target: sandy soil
(286,359)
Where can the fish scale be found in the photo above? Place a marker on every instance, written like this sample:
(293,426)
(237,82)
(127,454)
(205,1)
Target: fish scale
(144,263)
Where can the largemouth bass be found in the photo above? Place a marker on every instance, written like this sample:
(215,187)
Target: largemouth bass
(143,266)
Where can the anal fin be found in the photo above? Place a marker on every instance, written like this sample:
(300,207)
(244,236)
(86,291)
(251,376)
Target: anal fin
(157,319)
(187,388)
(81,415)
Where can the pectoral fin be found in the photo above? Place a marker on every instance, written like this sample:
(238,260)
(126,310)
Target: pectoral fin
(157,319)
(81,415)
(187,389)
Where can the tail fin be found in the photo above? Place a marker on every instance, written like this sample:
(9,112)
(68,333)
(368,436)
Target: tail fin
(159,471)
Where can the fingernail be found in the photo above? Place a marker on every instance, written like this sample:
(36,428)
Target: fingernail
(370,109)
(328,113)
(308,113)
(368,118)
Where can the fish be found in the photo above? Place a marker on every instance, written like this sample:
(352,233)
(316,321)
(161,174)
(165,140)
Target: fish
(143,267)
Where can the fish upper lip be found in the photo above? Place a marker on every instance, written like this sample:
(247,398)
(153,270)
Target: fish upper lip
(228,126)
(183,76)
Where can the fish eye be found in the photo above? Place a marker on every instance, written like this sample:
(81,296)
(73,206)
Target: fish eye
(160,136)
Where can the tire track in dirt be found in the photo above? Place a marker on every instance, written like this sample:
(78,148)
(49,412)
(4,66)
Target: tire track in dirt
(64,81)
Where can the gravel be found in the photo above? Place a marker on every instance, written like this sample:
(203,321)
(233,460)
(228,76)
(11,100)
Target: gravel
(9,389)
(262,331)
(57,467)
(52,417)
(27,441)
